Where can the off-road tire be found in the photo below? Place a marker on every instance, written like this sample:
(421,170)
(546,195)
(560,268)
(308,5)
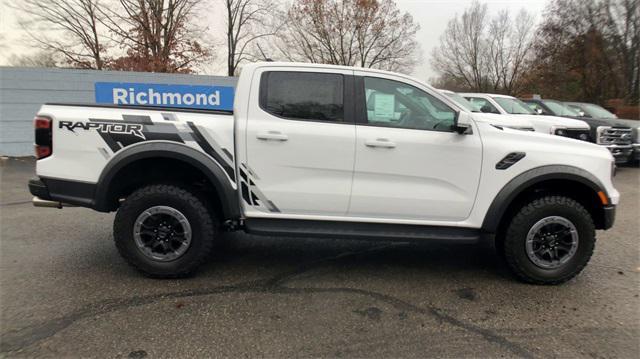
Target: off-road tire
(202,220)
(514,239)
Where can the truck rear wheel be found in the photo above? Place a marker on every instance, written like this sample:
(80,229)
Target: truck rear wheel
(164,231)
(549,240)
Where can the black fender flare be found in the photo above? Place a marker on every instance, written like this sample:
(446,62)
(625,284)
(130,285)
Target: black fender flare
(173,150)
(529,178)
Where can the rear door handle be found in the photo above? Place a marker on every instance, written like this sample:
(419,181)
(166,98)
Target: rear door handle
(380,142)
(272,136)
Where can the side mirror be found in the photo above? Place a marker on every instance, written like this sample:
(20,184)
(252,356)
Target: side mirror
(485,109)
(462,124)
(539,111)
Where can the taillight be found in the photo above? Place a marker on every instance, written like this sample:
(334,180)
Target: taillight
(44,145)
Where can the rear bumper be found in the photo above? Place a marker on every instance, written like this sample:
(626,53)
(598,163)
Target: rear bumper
(609,217)
(39,189)
(64,192)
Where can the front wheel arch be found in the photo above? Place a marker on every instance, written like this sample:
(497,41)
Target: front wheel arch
(569,181)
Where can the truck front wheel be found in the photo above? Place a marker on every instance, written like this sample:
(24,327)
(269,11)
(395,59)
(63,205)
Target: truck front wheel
(164,231)
(549,240)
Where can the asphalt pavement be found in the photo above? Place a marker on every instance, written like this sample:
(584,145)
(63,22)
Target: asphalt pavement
(65,292)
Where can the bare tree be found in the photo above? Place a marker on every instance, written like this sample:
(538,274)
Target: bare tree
(589,50)
(42,58)
(486,54)
(157,35)
(462,50)
(247,22)
(622,30)
(366,33)
(509,47)
(74,26)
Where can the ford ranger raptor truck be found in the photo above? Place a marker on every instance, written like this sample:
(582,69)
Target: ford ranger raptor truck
(329,151)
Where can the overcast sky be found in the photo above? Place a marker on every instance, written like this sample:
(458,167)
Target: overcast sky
(432,15)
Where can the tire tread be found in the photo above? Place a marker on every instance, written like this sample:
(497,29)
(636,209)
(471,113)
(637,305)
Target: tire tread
(519,220)
(209,225)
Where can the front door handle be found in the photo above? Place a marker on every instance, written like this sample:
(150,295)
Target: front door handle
(380,142)
(272,136)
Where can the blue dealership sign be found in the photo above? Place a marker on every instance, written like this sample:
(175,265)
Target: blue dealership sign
(184,96)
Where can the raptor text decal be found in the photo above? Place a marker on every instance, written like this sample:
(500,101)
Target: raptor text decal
(105,127)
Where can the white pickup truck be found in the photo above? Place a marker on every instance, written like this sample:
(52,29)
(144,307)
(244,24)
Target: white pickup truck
(319,150)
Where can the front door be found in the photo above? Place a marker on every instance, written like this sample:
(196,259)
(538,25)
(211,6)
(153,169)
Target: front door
(410,164)
(300,144)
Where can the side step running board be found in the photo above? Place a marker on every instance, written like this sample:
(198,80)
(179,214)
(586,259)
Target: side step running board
(358,230)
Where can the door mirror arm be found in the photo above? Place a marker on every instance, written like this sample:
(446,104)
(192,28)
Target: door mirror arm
(463,128)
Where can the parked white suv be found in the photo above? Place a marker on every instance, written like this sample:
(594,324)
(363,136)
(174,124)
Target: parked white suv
(514,122)
(509,105)
(331,151)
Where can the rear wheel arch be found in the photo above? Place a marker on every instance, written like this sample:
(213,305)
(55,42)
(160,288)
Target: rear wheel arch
(570,181)
(110,185)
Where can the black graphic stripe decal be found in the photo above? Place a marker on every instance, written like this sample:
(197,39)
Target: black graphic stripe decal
(199,138)
(252,194)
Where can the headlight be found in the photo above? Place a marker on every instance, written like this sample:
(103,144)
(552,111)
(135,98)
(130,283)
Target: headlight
(558,130)
(599,131)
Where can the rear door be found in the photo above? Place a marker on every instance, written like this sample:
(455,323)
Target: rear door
(300,142)
(410,164)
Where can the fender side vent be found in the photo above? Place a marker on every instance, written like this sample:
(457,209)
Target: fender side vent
(509,160)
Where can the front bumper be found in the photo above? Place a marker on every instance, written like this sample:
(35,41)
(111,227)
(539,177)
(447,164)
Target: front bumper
(609,217)
(636,151)
(621,153)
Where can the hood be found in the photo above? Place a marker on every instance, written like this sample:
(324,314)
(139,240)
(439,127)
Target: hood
(621,122)
(595,122)
(539,142)
(549,121)
(511,121)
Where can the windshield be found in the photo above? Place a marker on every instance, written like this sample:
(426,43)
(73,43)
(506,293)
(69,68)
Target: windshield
(463,102)
(596,111)
(513,106)
(560,109)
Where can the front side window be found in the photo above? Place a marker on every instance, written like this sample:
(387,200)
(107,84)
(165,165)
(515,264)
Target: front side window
(483,104)
(598,112)
(463,102)
(559,109)
(535,107)
(395,104)
(303,95)
(513,106)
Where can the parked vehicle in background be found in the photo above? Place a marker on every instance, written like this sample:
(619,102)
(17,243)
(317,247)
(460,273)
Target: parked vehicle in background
(593,111)
(614,135)
(508,105)
(329,151)
(513,122)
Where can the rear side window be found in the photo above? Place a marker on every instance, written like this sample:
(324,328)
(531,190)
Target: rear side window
(303,95)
